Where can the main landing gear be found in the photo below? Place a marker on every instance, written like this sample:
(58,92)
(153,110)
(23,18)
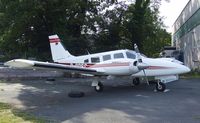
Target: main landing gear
(98,86)
(160,87)
(136,81)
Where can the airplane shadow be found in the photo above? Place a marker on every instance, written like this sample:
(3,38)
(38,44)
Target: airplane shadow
(49,99)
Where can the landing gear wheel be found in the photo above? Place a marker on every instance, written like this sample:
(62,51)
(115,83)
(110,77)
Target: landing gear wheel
(99,87)
(76,94)
(160,87)
(136,81)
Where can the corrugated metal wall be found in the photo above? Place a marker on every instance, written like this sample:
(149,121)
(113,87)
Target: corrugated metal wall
(191,7)
(186,36)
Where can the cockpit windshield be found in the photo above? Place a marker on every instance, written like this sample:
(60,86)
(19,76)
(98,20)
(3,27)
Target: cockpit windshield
(130,55)
(143,55)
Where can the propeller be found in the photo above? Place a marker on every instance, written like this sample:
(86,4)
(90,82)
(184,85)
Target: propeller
(141,66)
(138,53)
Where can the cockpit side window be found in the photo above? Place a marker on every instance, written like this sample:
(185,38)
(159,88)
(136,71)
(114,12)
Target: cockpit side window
(130,55)
(106,57)
(95,59)
(118,55)
(86,61)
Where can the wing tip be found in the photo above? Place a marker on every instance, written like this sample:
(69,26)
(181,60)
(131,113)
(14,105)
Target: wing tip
(19,63)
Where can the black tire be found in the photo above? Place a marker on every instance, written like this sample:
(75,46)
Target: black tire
(99,88)
(136,81)
(160,87)
(50,79)
(76,94)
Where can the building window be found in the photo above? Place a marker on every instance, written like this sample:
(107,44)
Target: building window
(190,24)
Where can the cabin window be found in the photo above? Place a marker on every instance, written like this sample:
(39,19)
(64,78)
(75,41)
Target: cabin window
(130,55)
(106,57)
(86,61)
(95,60)
(118,55)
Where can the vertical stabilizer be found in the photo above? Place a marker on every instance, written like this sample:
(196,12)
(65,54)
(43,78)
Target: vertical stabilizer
(58,52)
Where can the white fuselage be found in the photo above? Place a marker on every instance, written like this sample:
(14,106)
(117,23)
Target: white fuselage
(113,63)
(121,62)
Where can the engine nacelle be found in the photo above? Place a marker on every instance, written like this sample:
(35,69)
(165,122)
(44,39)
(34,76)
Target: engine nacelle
(133,67)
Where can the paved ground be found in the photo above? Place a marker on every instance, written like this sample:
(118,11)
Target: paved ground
(117,104)
(8,73)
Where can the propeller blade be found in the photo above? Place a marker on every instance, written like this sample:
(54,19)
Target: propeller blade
(145,76)
(136,48)
(138,53)
(142,66)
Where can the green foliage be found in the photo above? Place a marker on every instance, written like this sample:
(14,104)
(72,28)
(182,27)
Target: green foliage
(136,21)
(4,106)
(146,28)
(193,74)
(111,30)
(10,115)
(82,24)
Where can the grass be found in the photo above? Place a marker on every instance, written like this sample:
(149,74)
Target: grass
(10,115)
(192,74)
(197,117)
(2,81)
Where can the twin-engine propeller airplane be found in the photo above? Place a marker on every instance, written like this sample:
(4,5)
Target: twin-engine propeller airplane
(111,64)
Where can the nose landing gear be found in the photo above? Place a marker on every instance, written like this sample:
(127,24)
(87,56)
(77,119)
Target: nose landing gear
(160,86)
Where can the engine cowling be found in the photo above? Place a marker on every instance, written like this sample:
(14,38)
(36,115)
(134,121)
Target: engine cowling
(133,67)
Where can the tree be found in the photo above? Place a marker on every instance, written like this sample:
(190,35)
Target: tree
(136,21)
(145,27)
(27,24)
(82,24)
(111,29)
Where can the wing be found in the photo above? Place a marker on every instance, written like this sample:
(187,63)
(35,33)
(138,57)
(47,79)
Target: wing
(22,63)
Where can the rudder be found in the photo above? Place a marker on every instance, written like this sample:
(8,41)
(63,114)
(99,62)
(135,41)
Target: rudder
(58,52)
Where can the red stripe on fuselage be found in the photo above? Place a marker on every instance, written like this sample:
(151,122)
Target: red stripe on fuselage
(54,40)
(96,65)
(113,65)
(158,67)
(110,65)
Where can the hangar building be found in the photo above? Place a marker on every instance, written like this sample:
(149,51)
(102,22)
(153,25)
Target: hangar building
(186,34)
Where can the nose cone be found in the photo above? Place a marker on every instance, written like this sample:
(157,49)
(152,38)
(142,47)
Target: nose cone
(183,69)
(186,69)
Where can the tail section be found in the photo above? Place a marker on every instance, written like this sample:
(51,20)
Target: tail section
(58,52)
